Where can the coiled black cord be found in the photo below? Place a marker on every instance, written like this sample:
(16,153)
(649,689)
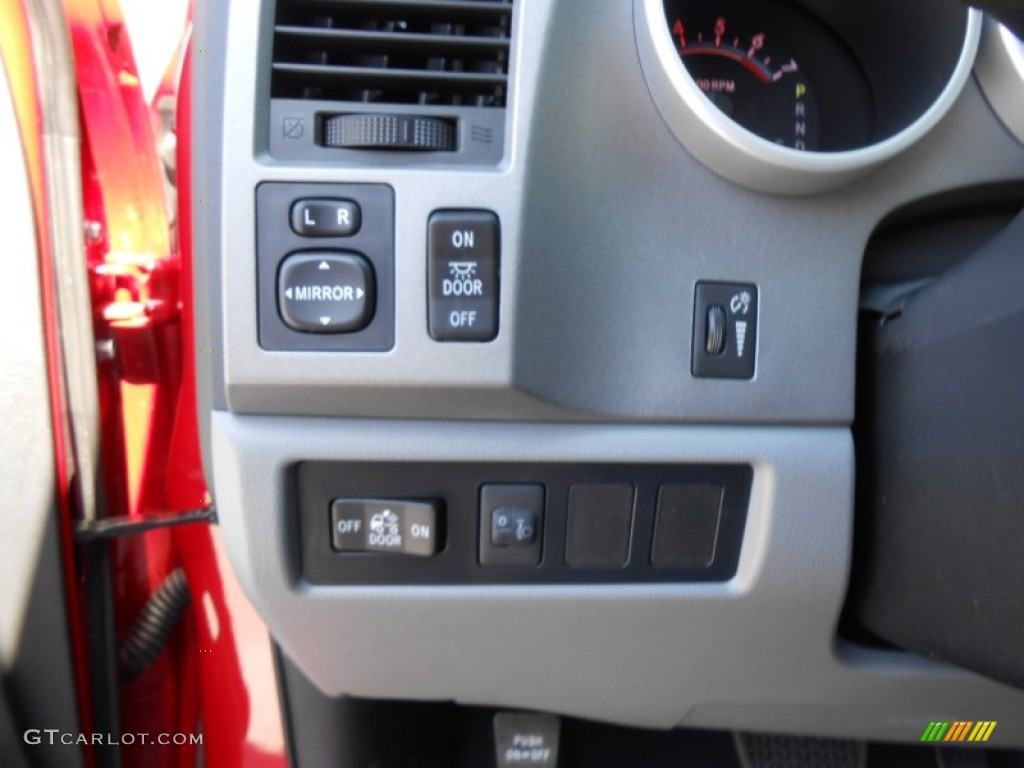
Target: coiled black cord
(158,618)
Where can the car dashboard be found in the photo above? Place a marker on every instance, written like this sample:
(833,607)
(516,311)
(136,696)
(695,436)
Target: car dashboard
(528,341)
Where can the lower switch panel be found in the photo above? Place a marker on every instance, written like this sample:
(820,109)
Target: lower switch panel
(530,523)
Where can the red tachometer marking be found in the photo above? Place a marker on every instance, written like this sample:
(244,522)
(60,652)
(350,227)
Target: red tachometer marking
(679,30)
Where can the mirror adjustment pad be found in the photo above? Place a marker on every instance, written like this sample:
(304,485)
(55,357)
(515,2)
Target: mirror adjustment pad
(463,258)
(724,330)
(323,292)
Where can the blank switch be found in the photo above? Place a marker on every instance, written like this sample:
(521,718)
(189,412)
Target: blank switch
(686,526)
(600,525)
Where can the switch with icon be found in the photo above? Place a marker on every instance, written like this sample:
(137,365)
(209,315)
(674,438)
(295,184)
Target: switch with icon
(511,524)
(725,330)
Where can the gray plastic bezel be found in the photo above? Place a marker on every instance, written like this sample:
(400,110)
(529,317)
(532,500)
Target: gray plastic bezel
(1000,71)
(480,135)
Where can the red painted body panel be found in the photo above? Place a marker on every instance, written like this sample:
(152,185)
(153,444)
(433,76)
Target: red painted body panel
(134,288)
(16,49)
(216,674)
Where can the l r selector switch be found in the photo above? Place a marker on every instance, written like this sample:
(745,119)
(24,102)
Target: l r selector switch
(325,218)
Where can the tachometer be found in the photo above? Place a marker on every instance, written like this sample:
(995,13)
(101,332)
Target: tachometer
(750,77)
(800,96)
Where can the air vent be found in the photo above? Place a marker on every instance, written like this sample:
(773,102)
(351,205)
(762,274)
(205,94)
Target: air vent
(425,52)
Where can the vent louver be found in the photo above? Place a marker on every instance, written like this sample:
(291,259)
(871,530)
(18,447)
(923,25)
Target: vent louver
(425,52)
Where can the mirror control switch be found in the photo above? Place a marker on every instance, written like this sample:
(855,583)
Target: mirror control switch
(326,292)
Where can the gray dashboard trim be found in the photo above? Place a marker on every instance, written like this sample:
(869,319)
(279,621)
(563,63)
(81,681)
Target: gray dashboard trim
(1000,70)
(755,652)
(208,65)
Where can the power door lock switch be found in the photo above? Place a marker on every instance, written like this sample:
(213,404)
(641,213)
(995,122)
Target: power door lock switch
(724,330)
(385,525)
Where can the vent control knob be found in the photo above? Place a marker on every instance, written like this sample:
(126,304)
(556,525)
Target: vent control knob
(396,132)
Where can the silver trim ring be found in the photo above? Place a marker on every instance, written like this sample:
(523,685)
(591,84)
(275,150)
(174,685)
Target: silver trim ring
(1000,71)
(745,158)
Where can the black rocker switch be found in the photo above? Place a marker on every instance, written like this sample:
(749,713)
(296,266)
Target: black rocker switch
(463,265)
(511,524)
